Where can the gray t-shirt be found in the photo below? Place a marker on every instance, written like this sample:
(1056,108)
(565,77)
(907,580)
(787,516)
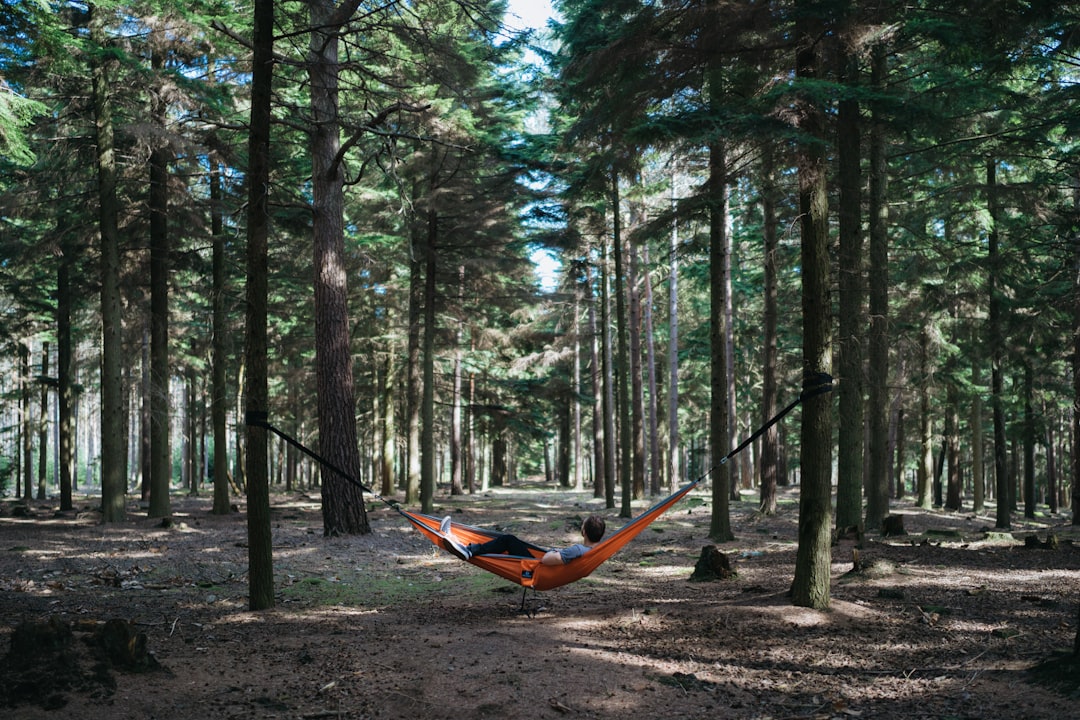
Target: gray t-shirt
(574,551)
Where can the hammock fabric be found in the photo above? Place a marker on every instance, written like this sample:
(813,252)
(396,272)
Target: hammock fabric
(528,571)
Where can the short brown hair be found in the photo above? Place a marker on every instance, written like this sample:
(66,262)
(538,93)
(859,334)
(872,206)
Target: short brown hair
(593,528)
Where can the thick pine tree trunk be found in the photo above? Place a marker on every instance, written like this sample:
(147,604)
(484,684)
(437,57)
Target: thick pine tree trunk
(342,501)
(113,416)
(810,587)
(160,411)
(260,550)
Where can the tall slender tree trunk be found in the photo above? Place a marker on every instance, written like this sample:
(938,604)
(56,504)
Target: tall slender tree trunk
(877,482)
(622,363)
(413,380)
(995,340)
(810,587)
(719,420)
(1029,441)
(385,420)
(218,387)
(160,398)
(575,375)
(65,400)
(456,460)
(925,471)
(596,373)
(637,391)
(673,342)
(1075,435)
(113,428)
(26,432)
(427,434)
(656,477)
(975,423)
(953,489)
(734,475)
(770,451)
(608,379)
(260,548)
(849,460)
(43,423)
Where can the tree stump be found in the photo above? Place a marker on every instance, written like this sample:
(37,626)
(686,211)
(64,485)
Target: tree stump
(711,565)
(893,525)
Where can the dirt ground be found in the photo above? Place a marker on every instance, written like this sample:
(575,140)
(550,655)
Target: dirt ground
(945,622)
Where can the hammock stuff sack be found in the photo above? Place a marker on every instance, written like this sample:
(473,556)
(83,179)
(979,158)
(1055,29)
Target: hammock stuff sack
(528,571)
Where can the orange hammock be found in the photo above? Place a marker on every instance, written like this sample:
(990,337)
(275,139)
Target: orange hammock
(528,571)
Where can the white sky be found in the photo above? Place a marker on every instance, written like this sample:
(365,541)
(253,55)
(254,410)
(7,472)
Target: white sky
(524,14)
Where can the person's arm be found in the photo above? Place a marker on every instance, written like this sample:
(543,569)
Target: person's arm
(552,557)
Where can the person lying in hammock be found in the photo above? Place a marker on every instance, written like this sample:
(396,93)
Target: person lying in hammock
(592,532)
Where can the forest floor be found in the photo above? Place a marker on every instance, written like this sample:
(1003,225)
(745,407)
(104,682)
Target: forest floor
(948,621)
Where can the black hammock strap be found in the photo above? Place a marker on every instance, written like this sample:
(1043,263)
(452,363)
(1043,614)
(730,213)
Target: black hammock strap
(813,385)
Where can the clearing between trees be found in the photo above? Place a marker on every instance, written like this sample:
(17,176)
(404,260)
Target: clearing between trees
(952,620)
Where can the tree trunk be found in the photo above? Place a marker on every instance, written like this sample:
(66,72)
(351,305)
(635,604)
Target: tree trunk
(260,549)
(575,396)
(113,430)
(926,428)
(953,489)
(607,376)
(43,423)
(64,395)
(849,460)
(995,341)
(1029,442)
(733,474)
(218,388)
(810,587)
(622,364)
(413,378)
(596,373)
(877,494)
(673,343)
(456,458)
(656,477)
(1075,435)
(427,413)
(160,397)
(719,420)
(978,481)
(770,451)
(343,508)
(26,433)
(637,390)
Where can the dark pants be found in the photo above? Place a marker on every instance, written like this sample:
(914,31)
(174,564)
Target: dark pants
(502,544)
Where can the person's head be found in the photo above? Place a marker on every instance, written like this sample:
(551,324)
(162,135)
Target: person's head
(593,528)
